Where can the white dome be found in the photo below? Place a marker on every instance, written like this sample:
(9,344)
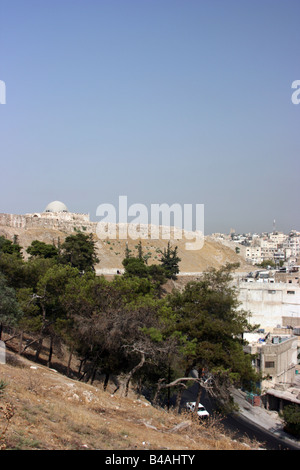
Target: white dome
(56,206)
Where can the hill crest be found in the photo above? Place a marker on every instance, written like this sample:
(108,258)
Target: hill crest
(54,228)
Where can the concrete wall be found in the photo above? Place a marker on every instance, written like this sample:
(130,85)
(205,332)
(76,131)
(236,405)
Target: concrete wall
(284,356)
(277,361)
(270,302)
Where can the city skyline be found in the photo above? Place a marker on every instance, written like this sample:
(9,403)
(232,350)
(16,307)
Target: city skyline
(165,101)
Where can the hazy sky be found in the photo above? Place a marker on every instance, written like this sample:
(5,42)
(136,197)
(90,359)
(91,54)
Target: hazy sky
(164,101)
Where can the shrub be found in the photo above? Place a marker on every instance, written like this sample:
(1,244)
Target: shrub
(291,416)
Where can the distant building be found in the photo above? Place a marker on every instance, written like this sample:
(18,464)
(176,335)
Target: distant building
(253,254)
(270,302)
(275,358)
(255,248)
(56,206)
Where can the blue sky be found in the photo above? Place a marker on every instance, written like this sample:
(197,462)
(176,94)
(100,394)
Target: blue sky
(164,101)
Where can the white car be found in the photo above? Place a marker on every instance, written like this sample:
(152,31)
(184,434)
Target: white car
(202,412)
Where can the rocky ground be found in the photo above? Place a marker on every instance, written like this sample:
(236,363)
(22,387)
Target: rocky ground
(43,409)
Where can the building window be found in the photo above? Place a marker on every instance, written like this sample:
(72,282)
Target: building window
(290,292)
(271,291)
(269,364)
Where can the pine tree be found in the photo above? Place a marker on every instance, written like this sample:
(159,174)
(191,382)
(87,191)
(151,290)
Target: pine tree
(170,261)
(127,251)
(80,252)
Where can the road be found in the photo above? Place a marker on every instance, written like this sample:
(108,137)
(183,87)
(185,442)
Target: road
(240,427)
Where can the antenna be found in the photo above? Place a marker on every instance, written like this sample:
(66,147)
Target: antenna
(274,226)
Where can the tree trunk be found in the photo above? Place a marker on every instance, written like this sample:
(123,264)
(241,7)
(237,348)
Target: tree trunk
(159,387)
(50,351)
(80,365)
(199,394)
(132,372)
(69,361)
(106,380)
(38,349)
(95,370)
(40,343)
(178,399)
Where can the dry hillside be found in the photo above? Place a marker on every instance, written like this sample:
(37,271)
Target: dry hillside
(41,408)
(45,410)
(111,252)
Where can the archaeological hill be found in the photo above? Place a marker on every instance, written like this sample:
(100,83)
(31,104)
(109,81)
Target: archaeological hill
(56,222)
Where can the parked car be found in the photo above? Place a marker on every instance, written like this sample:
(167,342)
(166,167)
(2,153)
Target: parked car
(202,412)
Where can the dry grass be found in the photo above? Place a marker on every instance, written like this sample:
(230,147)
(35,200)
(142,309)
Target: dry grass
(111,252)
(51,411)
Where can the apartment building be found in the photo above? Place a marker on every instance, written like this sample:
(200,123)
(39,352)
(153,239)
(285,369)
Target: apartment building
(278,238)
(292,245)
(276,246)
(275,358)
(269,302)
(252,254)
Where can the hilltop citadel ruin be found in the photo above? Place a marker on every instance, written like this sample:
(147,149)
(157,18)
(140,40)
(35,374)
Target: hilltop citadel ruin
(56,222)
(56,216)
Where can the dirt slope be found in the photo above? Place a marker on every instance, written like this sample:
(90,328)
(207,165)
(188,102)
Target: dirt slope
(53,412)
(111,252)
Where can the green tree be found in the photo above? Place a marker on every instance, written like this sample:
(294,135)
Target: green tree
(42,250)
(170,261)
(94,309)
(79,302)
(267,262)
(154,275)
(44,304)
(135,267)
(12,267)
(10,311)
(291,416)
(127,251)
(140,251)
(80,252)
(157,273)
(210,327)
(115,327)
(34,269)
(23,277)
(9,247)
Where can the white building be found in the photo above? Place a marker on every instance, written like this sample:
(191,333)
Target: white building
(253,254)
(292,244)
(277,238)
(271,303)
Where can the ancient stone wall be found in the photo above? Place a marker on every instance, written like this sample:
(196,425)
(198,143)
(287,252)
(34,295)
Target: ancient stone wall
(12,220)
(65,221)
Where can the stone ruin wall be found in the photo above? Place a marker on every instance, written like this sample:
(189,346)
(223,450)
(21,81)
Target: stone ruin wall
(12,220)
(67,221)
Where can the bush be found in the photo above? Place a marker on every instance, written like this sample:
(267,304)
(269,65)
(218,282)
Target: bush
(291,416)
